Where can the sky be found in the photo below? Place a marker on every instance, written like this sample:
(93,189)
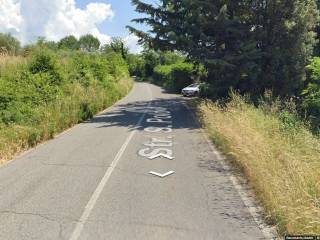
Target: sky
(29,19)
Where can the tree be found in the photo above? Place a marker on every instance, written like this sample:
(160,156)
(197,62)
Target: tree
(247,45)
(287,38)
(212,33)
(151,60)
(89,43)
(117,46)
(69,42)
(9,44)
(136,65)
(316,51)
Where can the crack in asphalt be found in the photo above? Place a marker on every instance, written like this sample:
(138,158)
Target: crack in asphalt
(46,217)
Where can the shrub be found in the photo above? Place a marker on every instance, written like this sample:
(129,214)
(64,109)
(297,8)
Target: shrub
(48,92)
(8,44)
(175,76)
(161,74)
(45,61)
(136,65)
(311,94)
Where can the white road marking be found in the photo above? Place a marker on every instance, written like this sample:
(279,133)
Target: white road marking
(161,175)
(95,196)
(161,155)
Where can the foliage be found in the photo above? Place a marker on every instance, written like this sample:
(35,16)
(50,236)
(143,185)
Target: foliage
(274,148)
(69,42)
(89,43)
(311,94)
(175,76)
(151,59)
(116,46)
(48,91)
(8,44)
(136,65)
(250,46)
(43,43)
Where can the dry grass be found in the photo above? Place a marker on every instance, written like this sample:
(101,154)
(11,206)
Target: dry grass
(4,60)
(283,166)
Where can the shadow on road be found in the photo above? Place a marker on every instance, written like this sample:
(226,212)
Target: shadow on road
(127,115)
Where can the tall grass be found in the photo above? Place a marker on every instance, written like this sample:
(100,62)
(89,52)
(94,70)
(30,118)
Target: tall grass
(46,93)
(278,155)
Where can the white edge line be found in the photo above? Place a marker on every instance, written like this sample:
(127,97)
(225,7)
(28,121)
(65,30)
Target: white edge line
(95,196)
(267,231)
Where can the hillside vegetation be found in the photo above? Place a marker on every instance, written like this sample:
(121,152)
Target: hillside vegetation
(45,90)
(277,153)
(267,52)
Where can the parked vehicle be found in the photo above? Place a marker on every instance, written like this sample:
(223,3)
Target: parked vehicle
(191,90)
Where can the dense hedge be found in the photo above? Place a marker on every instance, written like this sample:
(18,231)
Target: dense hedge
(311,94)
(174,76)
(49,91)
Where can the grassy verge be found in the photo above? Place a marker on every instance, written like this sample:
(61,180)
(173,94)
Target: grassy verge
(44,94)
(280,158)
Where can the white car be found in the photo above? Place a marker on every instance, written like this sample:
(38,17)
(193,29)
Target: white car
(191,90)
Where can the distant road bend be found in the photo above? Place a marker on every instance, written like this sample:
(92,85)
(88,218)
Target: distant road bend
(140,170)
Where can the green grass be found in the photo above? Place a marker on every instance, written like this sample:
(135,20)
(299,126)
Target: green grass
(48,92)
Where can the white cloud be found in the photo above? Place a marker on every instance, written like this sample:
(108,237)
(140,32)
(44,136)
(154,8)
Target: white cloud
(131,41)
(29,19)
(10,17)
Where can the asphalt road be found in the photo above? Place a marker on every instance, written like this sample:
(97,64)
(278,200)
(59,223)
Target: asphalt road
(93,181)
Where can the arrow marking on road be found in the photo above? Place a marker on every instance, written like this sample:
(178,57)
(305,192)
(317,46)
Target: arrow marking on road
(161,155)
(162,175)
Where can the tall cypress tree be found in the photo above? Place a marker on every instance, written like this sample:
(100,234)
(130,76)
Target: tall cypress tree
(249,45)
(287,38)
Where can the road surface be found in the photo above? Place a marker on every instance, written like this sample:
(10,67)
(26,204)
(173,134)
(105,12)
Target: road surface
(94,182)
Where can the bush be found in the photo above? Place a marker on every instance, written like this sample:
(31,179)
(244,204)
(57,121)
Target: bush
(175,76)
(136,65)
(311,93)
(162,74)
(47,92)
(8,44)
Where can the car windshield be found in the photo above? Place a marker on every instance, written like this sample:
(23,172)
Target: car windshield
(193,85)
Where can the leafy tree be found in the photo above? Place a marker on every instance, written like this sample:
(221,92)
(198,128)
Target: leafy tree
(136,65)
(287,38)
(43,43)
(69,42)
(117,45)
(89,43)
(151,59)
(9,44)
(316,51)
(212,33)
(248,45)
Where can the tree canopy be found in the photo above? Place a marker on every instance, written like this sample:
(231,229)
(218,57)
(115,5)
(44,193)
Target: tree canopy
(89,43)
(117,45)
(8,44)
(69,42)
(247,45)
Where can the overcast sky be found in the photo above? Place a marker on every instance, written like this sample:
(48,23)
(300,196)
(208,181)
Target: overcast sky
(53,19)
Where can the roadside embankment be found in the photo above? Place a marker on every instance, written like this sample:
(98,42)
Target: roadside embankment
(278,155)
(46,92)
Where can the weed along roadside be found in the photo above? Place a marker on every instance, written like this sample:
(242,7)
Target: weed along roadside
(159,146)
(48,92)
(287,160)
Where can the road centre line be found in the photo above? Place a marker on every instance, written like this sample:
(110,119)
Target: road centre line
(95,196)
